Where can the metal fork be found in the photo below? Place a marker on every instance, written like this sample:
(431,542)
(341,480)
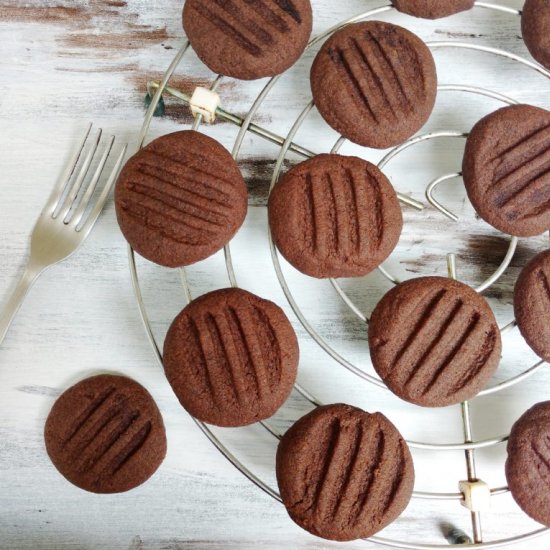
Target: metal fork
(66,220)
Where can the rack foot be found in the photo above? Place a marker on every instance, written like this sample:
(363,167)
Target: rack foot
(454,535)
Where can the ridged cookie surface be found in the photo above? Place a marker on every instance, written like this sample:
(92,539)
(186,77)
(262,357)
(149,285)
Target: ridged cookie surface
(434,341)
(532,304)
(528,462)
(231,357)
(506,169)
(432,9)
(180,199)
(105,434)
(335,216)
(535,28)
(248,39)
(343,473)
(375,83)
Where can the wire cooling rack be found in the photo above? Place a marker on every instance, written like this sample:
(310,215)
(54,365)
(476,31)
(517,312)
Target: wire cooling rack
(289,143)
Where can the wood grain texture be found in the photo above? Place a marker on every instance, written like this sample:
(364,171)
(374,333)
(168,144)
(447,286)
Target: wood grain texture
(65,63)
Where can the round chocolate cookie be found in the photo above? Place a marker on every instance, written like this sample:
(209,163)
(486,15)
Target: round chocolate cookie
(105,434)
(180,199)
(231,357)
(434,341)
(344,474)
(375,83)
(335,216)
(506,169)
(535,28)
(248,39)
(532,304)
(528,462)
(432,9)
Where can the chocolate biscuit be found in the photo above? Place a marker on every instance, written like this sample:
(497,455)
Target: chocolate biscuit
(528,462)
(434,341)
(375,83)
(231,357)
(105,434)
(535,28)
(532,304)
(506,169)
(344,474)
(180,199)
(248,39)
(432,9)
(335,216)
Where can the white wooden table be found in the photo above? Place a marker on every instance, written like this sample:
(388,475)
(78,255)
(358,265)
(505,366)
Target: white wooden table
(65,63)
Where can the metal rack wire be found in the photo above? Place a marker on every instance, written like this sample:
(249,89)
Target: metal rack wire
(286,144)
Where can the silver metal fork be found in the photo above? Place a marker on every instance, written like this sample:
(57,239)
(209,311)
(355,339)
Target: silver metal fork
(66,220)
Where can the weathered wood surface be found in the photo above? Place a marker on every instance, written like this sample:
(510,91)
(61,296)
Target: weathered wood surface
(66,63)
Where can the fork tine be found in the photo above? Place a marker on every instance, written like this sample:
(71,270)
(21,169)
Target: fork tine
(75,188)
(79,212)
(96,210)
(57,192)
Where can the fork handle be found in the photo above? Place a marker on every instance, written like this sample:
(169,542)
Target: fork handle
(30,275)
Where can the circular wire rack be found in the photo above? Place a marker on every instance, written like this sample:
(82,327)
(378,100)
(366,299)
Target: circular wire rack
(287,144)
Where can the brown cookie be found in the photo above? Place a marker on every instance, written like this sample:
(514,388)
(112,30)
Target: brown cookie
(231,357)
(506,169)
(432,9)
(434,341)
(375,83)
(532,304)
(528,462)
(535,28)
(344,474)
(105,434)
(180,199)
(248,39)
(335,216)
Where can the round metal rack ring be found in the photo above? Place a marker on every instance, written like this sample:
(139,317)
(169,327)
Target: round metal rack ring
(392,154)
(286,144)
